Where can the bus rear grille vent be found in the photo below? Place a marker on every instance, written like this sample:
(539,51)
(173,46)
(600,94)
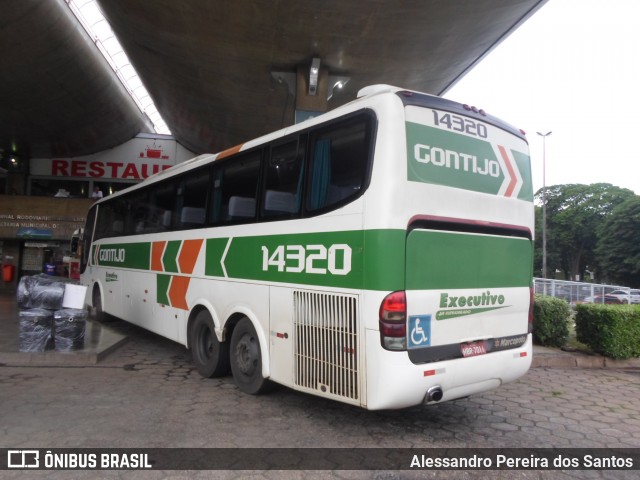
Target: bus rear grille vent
(326,355)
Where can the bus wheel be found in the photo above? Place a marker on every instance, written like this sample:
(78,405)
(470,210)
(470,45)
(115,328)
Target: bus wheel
(246,359)
(210,356)
(97,304)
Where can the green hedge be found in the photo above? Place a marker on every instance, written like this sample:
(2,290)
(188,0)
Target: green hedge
(550,321)
(612,330)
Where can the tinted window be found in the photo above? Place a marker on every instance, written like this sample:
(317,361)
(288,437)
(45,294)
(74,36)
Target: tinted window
(160,210)
(283,181)
(192,199)
(111,219)
(339,160)
(135,205)
(87,238)
(327,166)
(235,186)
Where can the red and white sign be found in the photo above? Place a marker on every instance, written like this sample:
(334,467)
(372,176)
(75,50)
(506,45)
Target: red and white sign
(136,159)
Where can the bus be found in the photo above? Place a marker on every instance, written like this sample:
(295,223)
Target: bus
(379,254)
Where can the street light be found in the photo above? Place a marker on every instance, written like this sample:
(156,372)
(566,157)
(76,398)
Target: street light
(544,203)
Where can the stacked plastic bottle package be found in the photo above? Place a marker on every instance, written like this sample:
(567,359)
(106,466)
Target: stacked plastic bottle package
(51,316)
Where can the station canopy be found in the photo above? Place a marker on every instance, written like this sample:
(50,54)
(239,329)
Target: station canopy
(209,65)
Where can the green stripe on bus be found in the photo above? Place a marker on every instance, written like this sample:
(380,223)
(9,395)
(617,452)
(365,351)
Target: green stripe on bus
(169,259)
(443,260)
(524,166)
(332,259)
(214,251)
(371,259)
(162,288)
(125,255)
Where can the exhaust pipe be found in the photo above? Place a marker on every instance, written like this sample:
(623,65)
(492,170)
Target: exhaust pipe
(434,394)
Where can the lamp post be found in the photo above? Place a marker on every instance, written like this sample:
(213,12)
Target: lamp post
(544,203)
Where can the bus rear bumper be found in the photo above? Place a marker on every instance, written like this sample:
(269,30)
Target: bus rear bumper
(393,381)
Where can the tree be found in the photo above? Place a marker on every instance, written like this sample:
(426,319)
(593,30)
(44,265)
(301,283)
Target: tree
(618,246)
(574,213)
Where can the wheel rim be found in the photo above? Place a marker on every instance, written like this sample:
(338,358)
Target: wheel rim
(247,355)
(205,344)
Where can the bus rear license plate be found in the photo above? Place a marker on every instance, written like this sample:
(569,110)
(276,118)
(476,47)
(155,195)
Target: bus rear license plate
(472,349)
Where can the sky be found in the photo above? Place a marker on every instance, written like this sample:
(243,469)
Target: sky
(573,68)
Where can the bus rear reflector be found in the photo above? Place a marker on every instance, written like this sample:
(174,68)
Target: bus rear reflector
(393,321)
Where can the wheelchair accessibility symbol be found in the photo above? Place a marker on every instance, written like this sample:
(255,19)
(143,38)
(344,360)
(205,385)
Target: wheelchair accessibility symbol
(419,331)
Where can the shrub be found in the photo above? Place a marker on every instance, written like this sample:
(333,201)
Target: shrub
(612,330)
(550,321)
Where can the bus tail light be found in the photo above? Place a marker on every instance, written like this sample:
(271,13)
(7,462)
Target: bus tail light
(393,321)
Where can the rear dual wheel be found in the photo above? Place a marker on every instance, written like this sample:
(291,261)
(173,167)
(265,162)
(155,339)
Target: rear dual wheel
(210,356)
(242,355)
(246,359)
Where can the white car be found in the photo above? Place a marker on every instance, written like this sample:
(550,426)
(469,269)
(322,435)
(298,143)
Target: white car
(631,296)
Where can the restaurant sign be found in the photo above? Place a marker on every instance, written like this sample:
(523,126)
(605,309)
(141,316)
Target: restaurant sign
(136,159)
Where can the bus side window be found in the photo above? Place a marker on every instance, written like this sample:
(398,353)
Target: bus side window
(104,225)
(235,188)
(339,160)
(191,200)
(136,212)
(87,238)
(160,211)
(283,180)
(110,220)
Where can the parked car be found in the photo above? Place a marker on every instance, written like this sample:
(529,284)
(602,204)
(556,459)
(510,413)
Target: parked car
(609,299)
(630,296)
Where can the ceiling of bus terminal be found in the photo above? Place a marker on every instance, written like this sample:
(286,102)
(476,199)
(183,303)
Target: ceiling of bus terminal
(207,65)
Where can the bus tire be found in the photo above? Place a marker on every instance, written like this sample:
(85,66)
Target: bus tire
(210,356)
(96,300)
(246,359)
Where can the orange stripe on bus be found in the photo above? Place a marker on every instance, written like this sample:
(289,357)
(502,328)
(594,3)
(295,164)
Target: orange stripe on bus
(514,179)
(188,255)
(229,151)
(157,249)
(178,292)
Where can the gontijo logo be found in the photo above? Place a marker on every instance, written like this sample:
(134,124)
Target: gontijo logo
(456,160)
(485,159)
(112,255)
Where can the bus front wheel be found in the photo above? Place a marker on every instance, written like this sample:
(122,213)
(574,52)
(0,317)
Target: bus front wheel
(246,359)
(210,356)
(97,304)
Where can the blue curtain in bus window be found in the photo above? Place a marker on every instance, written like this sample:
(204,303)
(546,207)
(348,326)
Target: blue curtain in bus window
(299,188)
(320,173)
(301,174)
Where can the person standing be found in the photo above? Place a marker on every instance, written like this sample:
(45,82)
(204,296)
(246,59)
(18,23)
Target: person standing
(97,193)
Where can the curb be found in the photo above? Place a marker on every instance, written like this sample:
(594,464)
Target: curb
(545,357)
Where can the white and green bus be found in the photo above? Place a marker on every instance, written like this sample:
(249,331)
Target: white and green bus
(378,255)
